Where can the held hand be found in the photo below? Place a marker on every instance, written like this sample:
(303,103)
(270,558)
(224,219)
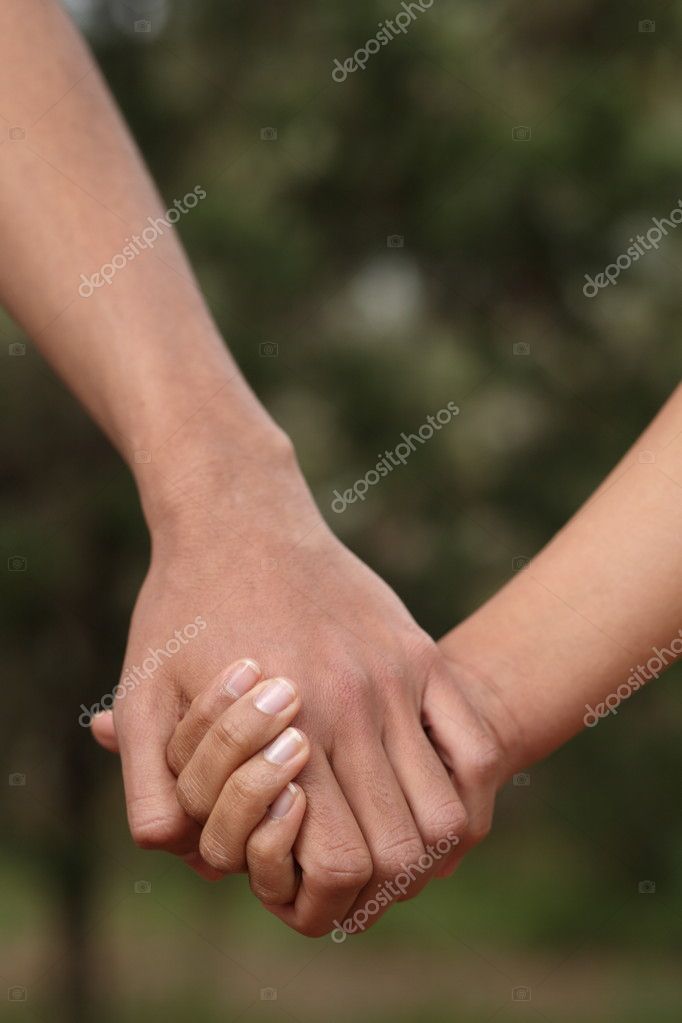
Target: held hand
(282,587)
(235,760)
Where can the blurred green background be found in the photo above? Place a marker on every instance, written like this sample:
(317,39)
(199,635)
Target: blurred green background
(490,238)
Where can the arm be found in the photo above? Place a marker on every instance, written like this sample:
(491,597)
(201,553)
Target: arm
(141,353)
(238,545)
(594,616)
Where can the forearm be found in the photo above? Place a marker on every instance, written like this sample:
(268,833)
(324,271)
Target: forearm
(141,352)
(588,612)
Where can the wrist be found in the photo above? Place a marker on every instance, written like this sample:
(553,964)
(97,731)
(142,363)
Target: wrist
(488,692)
(533,663)
(232,467)
(498,683)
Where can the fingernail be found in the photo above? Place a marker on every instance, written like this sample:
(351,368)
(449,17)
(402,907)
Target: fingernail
(285,800)
(241,677)
(275,696)
(285,746)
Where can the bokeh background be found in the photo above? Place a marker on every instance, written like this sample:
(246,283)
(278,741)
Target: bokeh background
(372,249)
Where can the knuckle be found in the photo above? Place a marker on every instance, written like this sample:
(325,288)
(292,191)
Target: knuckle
(484,762)
(331,877)
(264,893)
(154,822)
(213,851)
(242,789)
(262,853)
(202,711)
(154,832)
(188,734)
(449,817)
(198,723)
(396,855)
(188,794)
(231,735)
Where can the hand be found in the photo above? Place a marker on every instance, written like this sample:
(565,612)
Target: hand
(256,563)
(235,760)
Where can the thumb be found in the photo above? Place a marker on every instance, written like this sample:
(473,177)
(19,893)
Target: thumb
(467,745)
(103,731)
(145,722)
(103,727)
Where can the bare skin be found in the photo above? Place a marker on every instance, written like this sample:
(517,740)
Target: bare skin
(235,534)
(595,616)
(577,623)
(237,539)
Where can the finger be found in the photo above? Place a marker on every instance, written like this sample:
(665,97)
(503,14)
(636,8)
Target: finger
(144,725)
(390,830)
(439,810)
(223,691)
(272,870)
(245,798)
(104,731)
(240,732)
(332,855)
(472,754)
(479,801)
